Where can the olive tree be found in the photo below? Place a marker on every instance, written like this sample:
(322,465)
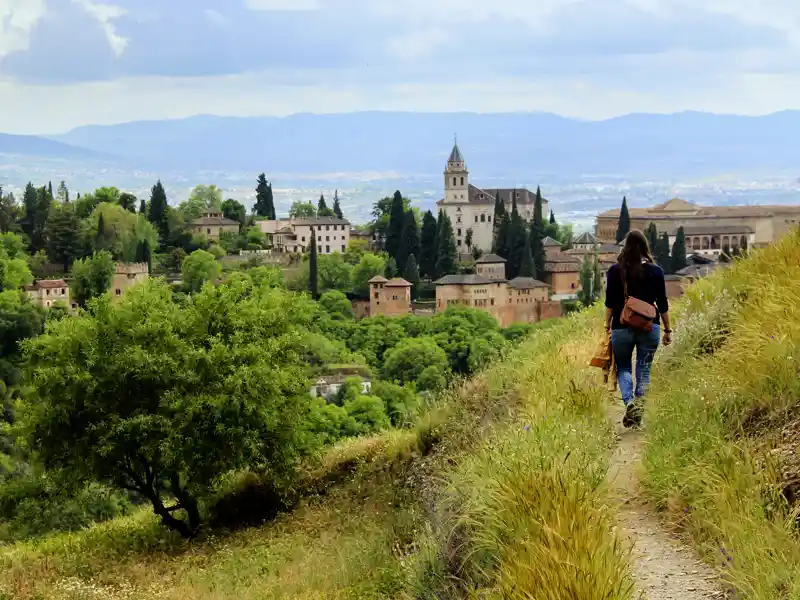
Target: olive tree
(163,400)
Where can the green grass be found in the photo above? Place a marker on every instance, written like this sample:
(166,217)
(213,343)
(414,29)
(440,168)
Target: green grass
(498,493)
(720,399)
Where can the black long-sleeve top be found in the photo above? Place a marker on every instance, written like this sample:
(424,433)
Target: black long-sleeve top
(649,286)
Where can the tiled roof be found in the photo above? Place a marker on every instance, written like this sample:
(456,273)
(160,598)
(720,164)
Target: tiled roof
(214,220)
(526,283)
(490,259)
(319,221)
(478,196)
(398,282)
(469,279)
(586,238)
(455,155)
(667,209)
(378,279)
(44,284)
(548,241)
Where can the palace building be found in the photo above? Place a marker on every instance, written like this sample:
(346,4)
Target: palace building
(708,229)
(471,208)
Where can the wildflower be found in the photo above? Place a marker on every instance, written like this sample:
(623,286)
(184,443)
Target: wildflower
(527,428)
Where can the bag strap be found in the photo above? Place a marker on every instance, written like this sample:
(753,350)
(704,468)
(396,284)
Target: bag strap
(624,284)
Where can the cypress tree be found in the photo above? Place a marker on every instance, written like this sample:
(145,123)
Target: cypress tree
(265,203)
(538,219)
(498,241)
(518,240)
(597,284)
(409,241)
(446,255)
(552,217)
(390,270)
(427,261)
(101,240)
(157,211)
(502,243)
(43,202)
(143,208)
(678,260)
(29,204)
(411,274)
(662,254)
(337,209)
(528,267)
(585,294)
(537,248)
(652,238)
(313,285)
(322,208)
(394,231)
(624,221)
(63,237)
(50,190)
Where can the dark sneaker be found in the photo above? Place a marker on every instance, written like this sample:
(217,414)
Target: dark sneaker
(633,415)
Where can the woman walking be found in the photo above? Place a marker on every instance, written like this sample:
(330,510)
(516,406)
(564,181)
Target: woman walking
(636,307)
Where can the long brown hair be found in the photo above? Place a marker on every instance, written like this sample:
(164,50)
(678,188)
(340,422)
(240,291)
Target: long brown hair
(633,253)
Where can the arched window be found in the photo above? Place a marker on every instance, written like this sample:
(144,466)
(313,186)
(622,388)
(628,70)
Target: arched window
(454,180)
(462,181)
(706,243)
(483,218)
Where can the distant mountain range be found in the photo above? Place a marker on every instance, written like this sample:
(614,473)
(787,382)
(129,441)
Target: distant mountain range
(527,146)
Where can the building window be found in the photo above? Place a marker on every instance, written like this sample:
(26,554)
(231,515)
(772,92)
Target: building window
(476,218)
(462,181)
(208,230)
(327,249)
(483,218)
(327,238)
(376,295)
(63,291)
(344,249)
(327,227)
(491,301)
(303,239)
(459,232)
(394,297)
(119,292)
(489,219)
(454,180)
(47,292)
(459,243)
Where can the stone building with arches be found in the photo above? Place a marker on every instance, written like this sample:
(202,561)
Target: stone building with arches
(708,229)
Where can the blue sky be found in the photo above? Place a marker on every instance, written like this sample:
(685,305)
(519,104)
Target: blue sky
(65,63)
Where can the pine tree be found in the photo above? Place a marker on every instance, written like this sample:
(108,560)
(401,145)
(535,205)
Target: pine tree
(143,208)
(624,221)
(63,192)
(427,262)
(337,209)
(101,240)
(157,211)
(265,203)
(552,217)
(390,271)
(678,260)
(63,237)
(446,255)
(313,282)
(652,237)
(395,229)
(528,267)
(409,241)
(411,274)
(538,219)
(662,253)
(537,248)
(50,190)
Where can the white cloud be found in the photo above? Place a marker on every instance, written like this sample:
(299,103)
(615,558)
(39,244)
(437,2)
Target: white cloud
(417,44)
(216,17)
(105,14)
(283,4)
(17,18)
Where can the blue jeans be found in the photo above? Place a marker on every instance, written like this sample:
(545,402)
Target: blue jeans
(623,342)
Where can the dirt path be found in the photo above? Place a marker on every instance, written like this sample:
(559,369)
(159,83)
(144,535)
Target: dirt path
(665,568)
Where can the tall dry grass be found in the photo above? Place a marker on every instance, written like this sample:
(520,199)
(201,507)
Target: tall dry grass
(721,396)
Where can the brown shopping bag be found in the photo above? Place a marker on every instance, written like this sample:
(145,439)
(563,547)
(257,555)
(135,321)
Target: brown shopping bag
(603,356)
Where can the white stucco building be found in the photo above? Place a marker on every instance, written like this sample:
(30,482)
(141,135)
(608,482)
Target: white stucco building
(472,208)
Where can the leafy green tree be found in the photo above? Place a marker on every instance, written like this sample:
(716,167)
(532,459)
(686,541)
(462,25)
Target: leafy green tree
(428,246)
(382,212)
(409,241)
(62,195)
(14,270)
(456,328)
(337,208)
(482,352)
(678,259)
(334,273)
(265,203)
(127,201)
(336,304)
(198,268)
(313,280)
(235,211)
(652,237)
(391,269)
(84,205)
(36,222)
(203,198)
(120,233)
(446,253)
(468,239)
(394,231)
(322,208)
(63,236)
(587,294)
(158,211)
(528,266)
(369,413)
(402,403)
(144,254)
(107,194)
(301,209)
(163,400)
(624,225)
(264,276)
(405,362)
(411,274)
(368,267)
(9,212)
(91,277)
(102,239)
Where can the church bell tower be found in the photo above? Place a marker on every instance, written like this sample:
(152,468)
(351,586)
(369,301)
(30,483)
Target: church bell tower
(456,178)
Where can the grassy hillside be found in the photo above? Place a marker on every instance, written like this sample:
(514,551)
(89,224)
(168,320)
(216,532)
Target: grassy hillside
(504,476)
(724,422)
